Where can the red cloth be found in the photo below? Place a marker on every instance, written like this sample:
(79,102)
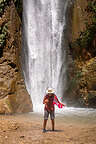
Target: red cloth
(56,101)
(52,100)
(49,106)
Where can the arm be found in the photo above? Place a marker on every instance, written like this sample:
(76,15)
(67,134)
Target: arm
(45,100)
(59,101)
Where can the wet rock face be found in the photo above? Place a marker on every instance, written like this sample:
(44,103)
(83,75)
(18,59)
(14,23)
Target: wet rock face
(13,94)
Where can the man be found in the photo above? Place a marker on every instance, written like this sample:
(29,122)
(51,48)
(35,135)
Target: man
(49,100)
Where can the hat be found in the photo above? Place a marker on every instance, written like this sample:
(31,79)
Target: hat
(50,90)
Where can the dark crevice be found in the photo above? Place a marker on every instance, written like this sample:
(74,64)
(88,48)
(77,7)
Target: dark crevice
(13,65)
(1,52)
(3,36)
(16,70)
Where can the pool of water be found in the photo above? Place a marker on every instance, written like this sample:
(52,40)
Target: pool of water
(80,115)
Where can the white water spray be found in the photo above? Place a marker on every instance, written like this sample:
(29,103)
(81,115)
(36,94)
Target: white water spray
(44,51)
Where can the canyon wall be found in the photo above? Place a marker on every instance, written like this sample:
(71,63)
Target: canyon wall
(83,50)
(13,94)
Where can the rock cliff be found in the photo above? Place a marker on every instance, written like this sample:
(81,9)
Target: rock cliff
(13,94)
(83,50)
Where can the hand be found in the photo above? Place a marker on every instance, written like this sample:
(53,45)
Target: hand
(63,105)
(46,101)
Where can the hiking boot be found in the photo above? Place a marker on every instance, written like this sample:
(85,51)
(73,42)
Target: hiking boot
(52,129)
(44,130)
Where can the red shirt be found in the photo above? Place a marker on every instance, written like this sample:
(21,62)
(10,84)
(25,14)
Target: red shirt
(50,106)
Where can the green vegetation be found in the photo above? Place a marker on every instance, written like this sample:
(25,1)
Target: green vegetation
(3,4)
(83,49)
(86,38)
(3,36)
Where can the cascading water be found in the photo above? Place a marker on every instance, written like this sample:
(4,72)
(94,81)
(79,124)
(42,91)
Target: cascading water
(44,51)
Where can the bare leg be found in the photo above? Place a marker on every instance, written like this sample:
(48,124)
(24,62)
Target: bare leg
(44,124)
(53,123)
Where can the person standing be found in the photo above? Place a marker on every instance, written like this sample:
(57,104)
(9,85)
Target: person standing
(49,100)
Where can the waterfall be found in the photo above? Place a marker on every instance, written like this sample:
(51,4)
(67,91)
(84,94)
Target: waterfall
(44,51)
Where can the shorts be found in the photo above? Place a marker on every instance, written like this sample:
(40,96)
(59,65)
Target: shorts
(46,115)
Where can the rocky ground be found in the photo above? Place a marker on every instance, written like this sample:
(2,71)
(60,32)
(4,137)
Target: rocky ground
(27,129)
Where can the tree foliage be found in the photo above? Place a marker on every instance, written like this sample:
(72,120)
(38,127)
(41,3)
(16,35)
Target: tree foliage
(3,4)
(86,38)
